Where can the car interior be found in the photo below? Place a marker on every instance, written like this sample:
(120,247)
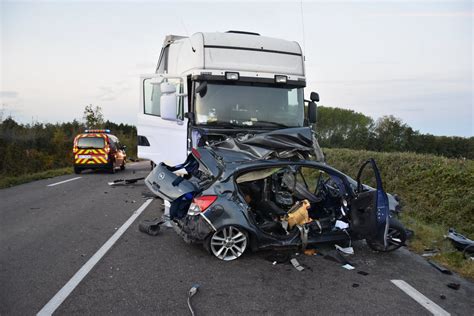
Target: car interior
(282,198)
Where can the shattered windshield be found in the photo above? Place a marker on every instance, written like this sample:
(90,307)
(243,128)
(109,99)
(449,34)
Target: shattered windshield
(250,105)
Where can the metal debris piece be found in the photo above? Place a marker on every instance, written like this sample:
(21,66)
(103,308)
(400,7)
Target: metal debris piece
(192,291)
(454,286)
(125,181)
(296,264)
(439,267)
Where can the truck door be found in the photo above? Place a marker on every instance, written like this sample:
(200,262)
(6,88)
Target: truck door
(160,140)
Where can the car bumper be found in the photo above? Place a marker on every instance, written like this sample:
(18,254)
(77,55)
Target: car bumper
(193,229)
(92,166)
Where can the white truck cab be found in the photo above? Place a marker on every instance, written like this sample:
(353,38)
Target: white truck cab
(213,85)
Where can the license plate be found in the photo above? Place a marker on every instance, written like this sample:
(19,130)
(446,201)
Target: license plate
(85,156)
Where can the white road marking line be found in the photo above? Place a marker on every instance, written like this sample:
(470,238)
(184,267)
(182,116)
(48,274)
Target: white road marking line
(61,182)
(420,298)
(64,292)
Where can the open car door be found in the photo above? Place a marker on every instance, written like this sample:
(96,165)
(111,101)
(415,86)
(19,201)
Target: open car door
(370,209)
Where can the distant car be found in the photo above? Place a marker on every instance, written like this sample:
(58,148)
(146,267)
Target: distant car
(98,149)
(242,194)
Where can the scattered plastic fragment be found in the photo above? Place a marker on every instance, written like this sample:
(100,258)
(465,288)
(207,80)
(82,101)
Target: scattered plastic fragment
(442,296)
(362,273)
(124,181)
(348,267)
(454,286)
(346,250)
(296,264)
(310,252)
(192,291)
(355,285)
(341,225)
(439,267)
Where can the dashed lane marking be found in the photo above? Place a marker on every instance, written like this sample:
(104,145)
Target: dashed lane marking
(61,182)
(67,289)
(420,298)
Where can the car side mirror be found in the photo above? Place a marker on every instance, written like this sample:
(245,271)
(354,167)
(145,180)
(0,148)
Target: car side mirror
(168,101)
(189,116)
(314,97)
(312,112)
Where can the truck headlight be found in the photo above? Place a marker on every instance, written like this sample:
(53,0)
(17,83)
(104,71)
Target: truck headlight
(281,79)
(232,75)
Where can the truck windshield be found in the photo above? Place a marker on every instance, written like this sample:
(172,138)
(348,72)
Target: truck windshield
(90,142)
(250,105)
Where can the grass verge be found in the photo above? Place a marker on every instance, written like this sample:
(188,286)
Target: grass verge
(6,182)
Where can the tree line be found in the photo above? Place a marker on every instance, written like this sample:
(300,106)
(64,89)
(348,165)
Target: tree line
(29,148)
(342,128)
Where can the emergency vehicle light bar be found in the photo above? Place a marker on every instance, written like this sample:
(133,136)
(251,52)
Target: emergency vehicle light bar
(98,131)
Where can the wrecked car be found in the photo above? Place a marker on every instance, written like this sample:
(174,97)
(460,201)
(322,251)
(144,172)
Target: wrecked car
(264,192)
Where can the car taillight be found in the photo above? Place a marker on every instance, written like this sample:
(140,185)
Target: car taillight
(200,204)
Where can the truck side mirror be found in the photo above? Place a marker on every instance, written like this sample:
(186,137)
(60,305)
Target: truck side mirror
(312,112)
(314,97)
(168,101)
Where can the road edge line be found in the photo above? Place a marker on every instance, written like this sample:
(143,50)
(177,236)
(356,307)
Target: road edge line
(431,306)
(67,289)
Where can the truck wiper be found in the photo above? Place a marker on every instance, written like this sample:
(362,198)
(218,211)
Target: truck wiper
(221,123)
(270,123)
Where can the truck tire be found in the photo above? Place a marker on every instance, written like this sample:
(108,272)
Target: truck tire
(77,170)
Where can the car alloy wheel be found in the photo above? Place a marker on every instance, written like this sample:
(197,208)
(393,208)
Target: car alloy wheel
(228,243)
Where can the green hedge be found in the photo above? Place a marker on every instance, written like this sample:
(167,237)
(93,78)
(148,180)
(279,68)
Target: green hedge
(433,189)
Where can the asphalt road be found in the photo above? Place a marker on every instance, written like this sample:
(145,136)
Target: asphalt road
(47,233)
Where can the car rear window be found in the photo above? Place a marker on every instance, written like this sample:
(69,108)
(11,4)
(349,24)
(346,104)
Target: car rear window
(90,142)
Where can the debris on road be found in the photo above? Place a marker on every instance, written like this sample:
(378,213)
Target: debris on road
(346,250)
(191,293)
(278,257)
(440,268)
(430,253)
(355,284)
(125,181)
(310,252)
(150,227)
(348,267)
(296,264)
(461,243)
(454,286)
(362,273)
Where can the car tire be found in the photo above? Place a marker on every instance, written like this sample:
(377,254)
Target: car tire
(395,230)
(77,170)
(111,168)
(227,243)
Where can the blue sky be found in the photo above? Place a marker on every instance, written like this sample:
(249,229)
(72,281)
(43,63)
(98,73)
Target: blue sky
(405,58)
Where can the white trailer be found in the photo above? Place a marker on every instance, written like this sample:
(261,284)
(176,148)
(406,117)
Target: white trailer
(212,85)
